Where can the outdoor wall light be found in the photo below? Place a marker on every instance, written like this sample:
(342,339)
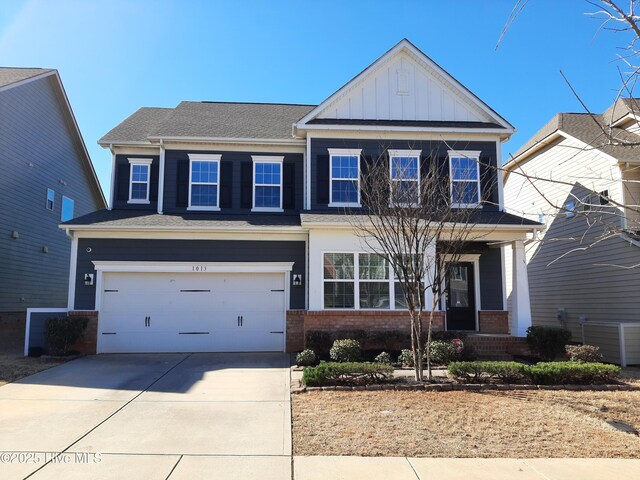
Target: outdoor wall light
(15,235)
(45,249)
(297,280)
(88,278)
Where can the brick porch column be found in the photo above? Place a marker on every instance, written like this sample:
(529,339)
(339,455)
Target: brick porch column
(520,303)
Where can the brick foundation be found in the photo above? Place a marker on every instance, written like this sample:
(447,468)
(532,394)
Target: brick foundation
(12,328)
(88,342)
(494,321)
(497,347)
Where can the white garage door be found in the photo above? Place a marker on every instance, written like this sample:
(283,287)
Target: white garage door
(186,312)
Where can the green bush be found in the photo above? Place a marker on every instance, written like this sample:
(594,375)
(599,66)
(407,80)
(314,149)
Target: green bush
(547,342)
(385,358)
(388,340)
(317,340)
(544,373)
(345,350)
(350,373)
(406,358)
(62,332)
(584,353)
(484,372)
(306,358)
(443,352)
(562,373)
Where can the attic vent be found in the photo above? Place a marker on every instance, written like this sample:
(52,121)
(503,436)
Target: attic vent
(403,82)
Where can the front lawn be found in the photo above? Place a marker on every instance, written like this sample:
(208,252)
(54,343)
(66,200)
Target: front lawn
(14,367)
(527,423)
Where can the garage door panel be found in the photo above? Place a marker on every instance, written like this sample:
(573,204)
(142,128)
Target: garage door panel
(181,312)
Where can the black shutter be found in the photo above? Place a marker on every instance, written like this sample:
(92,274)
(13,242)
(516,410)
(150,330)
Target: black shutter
(288,186)
(488,185)
(182,184)
(122,182)
(153,179)
(322,179)
(246,185)
(226,184)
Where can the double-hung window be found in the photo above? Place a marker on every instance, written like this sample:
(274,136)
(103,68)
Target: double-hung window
(404,166)
(267,184)
(204,181)
(464,169)
(344,184)
(51,199)
(139,176)
(339,280)
(373,275)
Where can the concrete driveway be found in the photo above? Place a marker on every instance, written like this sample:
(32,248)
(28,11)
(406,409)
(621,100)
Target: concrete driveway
(152,416)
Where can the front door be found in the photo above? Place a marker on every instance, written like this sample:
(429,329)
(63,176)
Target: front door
(460,297)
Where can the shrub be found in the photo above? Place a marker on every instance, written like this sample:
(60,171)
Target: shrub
(385,358)
(350,373)
(483,372)
(306,358)
(347,350)
(61,333)
(584,353)
(317,340)
(448,335)
(388,340)
(406,358)
(548,342)
(443,353)
(562,373)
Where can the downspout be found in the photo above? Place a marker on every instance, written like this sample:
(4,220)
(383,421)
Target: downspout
(113,177)
(161,179)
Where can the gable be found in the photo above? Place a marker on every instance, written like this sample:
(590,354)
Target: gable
(404,85)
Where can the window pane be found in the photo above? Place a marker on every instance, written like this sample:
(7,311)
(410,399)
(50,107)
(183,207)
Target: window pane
(464,192)
(404,167)
(204,195)
(138,191)
(267,174)
(67,209)
(139,173)
(344,191)
(459,287)
(463,168)
(338,295)
(405,192)
(374,295)
(344,166)
(268,197)
(204,172)
(51,195)
(372,267)
(401,302)
(338,265)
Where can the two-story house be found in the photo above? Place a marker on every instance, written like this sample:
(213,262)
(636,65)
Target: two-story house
(228,227)
(47,178)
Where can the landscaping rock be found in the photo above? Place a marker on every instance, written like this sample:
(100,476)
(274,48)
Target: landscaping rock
(299,390)
(331,387)
(343,388)
(374,387)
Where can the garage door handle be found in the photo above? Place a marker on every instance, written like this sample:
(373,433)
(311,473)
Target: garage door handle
(238,320)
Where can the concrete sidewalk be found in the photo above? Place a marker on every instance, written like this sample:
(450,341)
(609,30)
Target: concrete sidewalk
(402,468)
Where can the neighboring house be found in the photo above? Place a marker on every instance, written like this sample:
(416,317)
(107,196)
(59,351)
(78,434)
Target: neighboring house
(47,178)
(572,178)
(227,228)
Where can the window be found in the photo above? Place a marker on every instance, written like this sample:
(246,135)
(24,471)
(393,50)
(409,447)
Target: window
(204,191)
(67,209)
(267,184)
(604,197)
(465,178)
(570,209)
(360,281)
(405,177)
(344,185)
(51,199)
(139,180)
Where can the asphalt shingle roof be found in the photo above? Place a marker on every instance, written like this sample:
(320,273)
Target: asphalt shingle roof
(9,75)
(209,120)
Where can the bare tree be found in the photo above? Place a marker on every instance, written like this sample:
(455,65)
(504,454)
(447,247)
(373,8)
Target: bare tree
(409,217)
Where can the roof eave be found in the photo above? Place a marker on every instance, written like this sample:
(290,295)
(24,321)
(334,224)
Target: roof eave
(243,140)
(377,128)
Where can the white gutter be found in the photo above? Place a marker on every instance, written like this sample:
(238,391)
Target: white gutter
(268,141)
(113,178)
(390,128)
(161,179)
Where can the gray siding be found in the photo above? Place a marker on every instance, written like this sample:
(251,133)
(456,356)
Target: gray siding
(185,251)
(376,148)
(172,157)
(39,149)
(632,344)
(606,337)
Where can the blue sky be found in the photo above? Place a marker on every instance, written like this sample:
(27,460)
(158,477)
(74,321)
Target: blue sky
(115,56)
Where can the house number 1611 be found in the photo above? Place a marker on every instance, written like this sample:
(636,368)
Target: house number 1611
(199,268)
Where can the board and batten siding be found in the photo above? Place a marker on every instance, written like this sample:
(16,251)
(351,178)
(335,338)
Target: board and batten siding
(562,273)
(129,250)
(39,149)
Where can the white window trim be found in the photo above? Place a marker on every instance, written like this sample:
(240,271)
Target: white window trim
(62,208)
(139,161)
(410,154)
(473,155)
(393,278)
(205,157)
(266,159)
(53,201)
(343,152)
